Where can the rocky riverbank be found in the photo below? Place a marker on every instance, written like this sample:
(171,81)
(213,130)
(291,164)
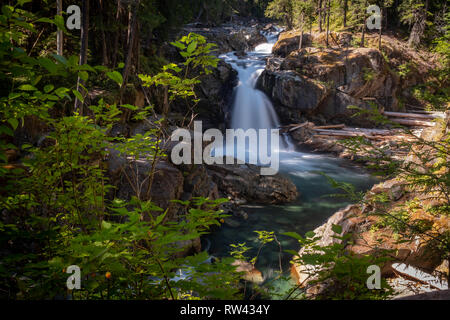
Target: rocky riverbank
(369,236)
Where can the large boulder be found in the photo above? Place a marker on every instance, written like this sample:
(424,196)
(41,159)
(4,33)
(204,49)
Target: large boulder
(289,41)
(244,181)
(130,178)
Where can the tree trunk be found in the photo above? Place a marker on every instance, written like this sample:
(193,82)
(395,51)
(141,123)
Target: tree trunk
(328,19)
(59,34)
(320,15)
(116,40)
(418,28)
(381,27)
(345,12)
(300,44)
(83,50)
(103,36)
(363,24)
(131,42)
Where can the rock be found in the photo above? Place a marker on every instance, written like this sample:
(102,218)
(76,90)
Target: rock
(294,92)
(233,223)
(251,274)
(215,93)
(435,295)
(240,54)
(188,247)
(442,270)
(289,41)
(356,219)
(325,82)
(244,181)
(132,179)
(229,37)
(393,188)
(170,183)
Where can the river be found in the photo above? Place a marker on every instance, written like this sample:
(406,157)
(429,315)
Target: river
(253,109)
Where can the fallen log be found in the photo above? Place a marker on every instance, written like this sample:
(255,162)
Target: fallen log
(298,126)
(337,126)
(344,132)
(347,135)
(381,132)
(412,115)
(421,111)
(414,122)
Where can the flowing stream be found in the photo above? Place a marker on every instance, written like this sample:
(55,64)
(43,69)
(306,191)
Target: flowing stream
(253,109)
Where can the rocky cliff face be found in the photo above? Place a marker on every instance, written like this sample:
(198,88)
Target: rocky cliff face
(319,83)
(325,82)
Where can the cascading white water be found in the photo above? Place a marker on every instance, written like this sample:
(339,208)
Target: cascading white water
(252,109)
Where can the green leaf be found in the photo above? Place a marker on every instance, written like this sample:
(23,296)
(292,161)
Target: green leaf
(78,95)
(83,75)
(178,45)
(45,20)
(48,64)
(106,225)
(22,2)
(310,234)
(59,21)
(60,59)
(6,130)
(48,88)
(27,87)
(160,218)
(294,253)
(336,228)
(191,47)
(116,77)
(36,80)
(294,235)
(61,92)
(13,122)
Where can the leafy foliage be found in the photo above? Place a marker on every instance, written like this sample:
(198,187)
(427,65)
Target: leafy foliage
(57,208)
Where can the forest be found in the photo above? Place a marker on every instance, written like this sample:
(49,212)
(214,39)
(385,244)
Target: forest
(350,97)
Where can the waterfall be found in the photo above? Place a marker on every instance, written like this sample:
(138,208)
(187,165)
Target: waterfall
(251,107)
